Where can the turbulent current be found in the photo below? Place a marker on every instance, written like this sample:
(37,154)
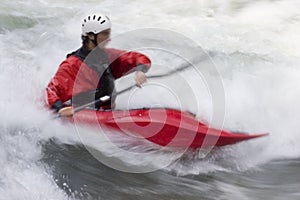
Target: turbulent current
(244,76)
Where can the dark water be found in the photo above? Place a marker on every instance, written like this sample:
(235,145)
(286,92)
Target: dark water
(81,176)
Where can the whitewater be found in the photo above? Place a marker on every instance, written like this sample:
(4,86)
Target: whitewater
(245,77)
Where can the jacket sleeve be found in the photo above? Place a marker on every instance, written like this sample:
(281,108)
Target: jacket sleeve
(60,87)
(123,62)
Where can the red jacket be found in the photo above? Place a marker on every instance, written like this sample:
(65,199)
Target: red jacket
(74,76)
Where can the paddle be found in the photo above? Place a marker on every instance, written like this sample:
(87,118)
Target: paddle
(181,68)
(100,100)
(106,98)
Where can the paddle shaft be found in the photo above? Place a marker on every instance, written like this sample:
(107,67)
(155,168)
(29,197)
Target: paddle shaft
(106,98)
(100,100)
(183,67)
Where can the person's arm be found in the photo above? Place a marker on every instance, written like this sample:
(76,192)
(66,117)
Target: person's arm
(58,90)
(53,93)
(123,62)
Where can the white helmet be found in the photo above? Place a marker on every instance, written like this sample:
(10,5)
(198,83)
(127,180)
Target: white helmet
(95,24)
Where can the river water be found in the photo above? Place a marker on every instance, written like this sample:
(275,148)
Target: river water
(245,78)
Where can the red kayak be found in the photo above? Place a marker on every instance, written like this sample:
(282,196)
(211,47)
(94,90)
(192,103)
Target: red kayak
(165,127)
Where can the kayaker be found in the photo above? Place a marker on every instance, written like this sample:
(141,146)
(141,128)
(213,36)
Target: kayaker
(89,72)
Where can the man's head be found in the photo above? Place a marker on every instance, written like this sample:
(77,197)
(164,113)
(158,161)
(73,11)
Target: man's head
(96,30)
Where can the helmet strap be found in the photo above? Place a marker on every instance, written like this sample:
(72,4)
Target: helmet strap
(95,40)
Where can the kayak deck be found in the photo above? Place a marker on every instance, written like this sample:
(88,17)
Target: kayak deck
(165,127)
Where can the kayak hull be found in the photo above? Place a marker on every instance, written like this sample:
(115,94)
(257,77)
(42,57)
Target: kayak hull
(164,127)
